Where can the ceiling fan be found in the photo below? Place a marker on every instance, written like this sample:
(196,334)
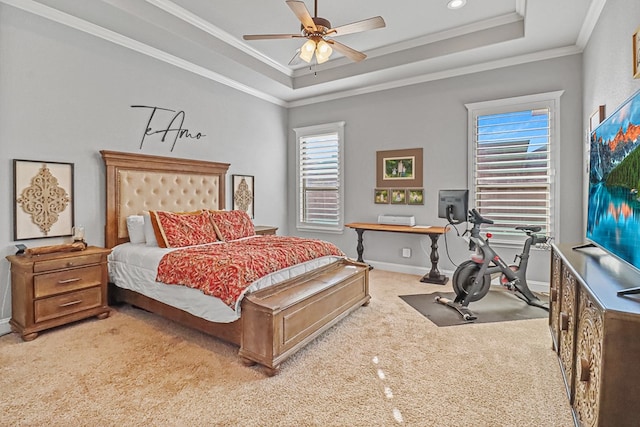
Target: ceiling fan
(319,33)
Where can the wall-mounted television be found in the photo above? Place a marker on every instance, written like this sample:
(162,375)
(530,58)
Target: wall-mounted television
(453,205)
(613,218)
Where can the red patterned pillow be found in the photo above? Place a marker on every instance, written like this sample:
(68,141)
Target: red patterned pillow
(178,229)
(232,225)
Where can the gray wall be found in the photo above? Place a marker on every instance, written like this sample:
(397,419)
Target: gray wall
(608,59)
(65,95)
(608,67)
(433,116)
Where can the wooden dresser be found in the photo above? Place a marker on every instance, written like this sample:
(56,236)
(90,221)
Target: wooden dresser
(596,334)
(56,289)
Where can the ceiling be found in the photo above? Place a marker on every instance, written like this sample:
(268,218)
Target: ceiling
(423,40)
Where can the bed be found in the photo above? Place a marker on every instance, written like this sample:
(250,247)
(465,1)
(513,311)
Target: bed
(277,315)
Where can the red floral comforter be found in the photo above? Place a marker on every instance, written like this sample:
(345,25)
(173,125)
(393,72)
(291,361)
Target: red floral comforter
(225,270)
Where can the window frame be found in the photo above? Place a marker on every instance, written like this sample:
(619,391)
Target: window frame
(311,131)
(550,100)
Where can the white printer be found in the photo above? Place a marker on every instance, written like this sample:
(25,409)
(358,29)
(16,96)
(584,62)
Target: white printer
(408,220)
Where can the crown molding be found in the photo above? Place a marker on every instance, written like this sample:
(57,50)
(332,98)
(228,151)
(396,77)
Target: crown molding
(595,9)
(79,24)
(423,78)
(129,43)
(194,20)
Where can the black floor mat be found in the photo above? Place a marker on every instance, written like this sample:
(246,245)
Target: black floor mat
(497,306)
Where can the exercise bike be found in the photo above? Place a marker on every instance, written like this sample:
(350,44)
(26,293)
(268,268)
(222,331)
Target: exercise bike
(472,278)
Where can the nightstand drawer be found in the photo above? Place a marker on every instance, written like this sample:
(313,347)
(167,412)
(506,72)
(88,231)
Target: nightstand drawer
(66,280)
(61,305)
(73,259)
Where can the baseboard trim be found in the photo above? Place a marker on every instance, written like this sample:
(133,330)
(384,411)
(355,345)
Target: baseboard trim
(401,268)
(535,286)
(5,328)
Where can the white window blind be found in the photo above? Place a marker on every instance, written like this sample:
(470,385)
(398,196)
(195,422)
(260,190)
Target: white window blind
(320,179)
(512,168)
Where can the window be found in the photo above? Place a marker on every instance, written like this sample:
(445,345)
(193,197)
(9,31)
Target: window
(513,146)
(319,184)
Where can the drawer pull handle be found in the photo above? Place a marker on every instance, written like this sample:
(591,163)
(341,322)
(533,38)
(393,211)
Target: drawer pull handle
(67,304)
(70,264)
(64,282)
(585,370)
(564,321)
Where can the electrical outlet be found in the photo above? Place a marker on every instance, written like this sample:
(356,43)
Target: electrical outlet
(406,252)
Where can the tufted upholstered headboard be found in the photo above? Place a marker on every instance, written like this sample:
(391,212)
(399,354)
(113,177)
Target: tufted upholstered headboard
(140,182)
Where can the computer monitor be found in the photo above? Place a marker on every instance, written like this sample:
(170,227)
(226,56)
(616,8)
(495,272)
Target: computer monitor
(453,205)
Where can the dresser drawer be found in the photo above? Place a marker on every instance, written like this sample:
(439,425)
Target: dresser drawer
(67,262)
(61,305)
(66,280)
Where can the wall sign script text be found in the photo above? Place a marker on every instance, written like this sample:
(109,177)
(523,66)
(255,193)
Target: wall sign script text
(173,127)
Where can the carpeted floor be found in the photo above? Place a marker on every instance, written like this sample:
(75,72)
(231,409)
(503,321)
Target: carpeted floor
(382,366)
(499,305)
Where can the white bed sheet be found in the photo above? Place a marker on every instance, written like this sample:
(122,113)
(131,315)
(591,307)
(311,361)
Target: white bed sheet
(135,266)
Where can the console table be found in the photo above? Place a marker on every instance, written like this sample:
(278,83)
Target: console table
(433,276)
(596,334)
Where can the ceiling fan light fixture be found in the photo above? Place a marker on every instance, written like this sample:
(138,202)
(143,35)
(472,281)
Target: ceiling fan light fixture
(319,34)
(307,50)
(456,4)
(323,51)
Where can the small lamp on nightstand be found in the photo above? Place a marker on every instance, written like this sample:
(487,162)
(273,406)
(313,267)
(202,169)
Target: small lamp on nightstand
(78,233)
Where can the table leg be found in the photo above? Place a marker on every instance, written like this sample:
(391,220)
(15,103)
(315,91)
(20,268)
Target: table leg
(434,276)
(360,247)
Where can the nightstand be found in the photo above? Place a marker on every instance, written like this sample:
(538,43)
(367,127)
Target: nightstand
(263,230)
(55,289)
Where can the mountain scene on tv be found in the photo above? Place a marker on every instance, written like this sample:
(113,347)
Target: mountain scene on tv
(613,220)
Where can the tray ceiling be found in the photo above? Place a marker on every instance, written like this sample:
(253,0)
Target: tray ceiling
(422,40)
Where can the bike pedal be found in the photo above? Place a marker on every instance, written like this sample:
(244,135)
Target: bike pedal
(509,285)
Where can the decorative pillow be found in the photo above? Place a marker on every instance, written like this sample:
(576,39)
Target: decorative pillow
(232,225)
(178,229)
(149,235)
(135,227)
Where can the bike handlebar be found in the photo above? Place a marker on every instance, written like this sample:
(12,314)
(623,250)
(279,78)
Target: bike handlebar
(476,218)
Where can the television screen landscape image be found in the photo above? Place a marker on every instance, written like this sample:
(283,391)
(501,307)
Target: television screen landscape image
(613,218)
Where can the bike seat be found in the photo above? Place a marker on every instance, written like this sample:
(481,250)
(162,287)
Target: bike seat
(530,228)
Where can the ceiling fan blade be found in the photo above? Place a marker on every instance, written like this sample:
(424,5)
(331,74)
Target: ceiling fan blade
(356,27)
(270,36)
(352,54)
(301,11)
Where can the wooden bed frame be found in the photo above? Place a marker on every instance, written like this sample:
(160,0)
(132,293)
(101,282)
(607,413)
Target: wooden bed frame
(276,321)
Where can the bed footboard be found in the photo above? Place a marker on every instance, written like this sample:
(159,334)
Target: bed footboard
(280,320)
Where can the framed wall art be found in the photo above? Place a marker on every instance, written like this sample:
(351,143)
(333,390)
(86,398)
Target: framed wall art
(399,168)
(415,196)
(381,195)
(596,118)
(43,199)
(243,195)
(636,54)
(398,197)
